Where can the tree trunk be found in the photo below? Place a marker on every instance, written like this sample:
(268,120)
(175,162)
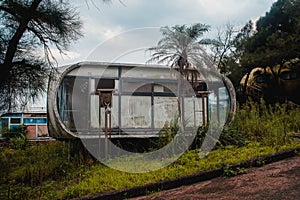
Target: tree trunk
(13,43)
(181,124)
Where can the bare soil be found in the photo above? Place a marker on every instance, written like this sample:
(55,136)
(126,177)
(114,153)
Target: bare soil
(279,180)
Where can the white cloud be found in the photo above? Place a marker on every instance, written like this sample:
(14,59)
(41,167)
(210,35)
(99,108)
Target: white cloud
(108,20)
(102,25)
(128,46)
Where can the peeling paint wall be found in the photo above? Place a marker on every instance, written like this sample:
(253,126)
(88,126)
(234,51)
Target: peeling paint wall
(165,110)
(136,112)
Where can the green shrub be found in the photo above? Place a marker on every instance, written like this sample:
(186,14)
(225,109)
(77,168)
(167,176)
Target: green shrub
(231,136)
(17,137)
(228,171)
(165,135)
(271,125)
(267,124)
(19,142)
(38,167)
(168,132)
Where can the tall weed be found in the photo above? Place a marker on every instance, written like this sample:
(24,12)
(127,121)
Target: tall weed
(268,124)
(38,165)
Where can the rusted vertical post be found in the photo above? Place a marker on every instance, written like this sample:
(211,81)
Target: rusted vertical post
(106,132)
(207,109)
(99,153)
(109,146)
(194,108)
(203,109)
(218,105)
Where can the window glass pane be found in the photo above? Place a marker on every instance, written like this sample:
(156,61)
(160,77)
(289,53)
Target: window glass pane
(166,87)
(29,121)
(15,120)
(105,83)
(224,103)
(73,102)
(158,88)
(193,111)
(64,102)
(200,86)
(14,127)
(4,123)
(35,120)
(80,103)
(41,120)
(94,112)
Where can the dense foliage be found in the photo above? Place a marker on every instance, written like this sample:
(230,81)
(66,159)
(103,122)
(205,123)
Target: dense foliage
(277,37)
(271,42)
(27,28)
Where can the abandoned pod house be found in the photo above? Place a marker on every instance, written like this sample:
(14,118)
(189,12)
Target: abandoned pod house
(91,99)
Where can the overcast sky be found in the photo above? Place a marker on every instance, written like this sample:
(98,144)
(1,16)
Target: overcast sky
(121,31)
(112,30)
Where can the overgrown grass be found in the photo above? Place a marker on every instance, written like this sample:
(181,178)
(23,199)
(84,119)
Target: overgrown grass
(57,171)
(27,173)
(16,137)
(270,125)
(99,178)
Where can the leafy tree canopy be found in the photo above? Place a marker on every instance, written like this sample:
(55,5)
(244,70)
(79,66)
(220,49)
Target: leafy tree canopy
(29,29)
(277,39)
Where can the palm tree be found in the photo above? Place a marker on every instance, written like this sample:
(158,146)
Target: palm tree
(181,49)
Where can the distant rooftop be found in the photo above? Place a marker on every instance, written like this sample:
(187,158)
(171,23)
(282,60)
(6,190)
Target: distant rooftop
(36,109)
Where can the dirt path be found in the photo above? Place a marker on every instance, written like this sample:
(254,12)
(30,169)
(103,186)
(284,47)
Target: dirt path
(279,180)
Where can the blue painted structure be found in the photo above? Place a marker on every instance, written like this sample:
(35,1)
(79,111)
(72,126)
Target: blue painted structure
(36,123)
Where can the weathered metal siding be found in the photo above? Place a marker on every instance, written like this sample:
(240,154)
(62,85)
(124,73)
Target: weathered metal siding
(165,109)
(136,112)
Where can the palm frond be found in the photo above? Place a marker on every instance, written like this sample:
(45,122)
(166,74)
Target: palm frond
(181,46)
